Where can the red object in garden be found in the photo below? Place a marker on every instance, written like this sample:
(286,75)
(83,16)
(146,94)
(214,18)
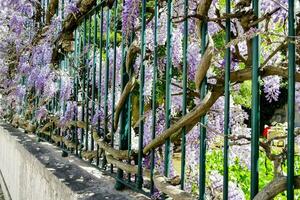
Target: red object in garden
(266,131)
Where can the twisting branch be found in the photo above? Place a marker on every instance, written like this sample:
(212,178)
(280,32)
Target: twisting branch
(57,138)
(126,167)
(245,74)
(279,48)
(53,5)
(69,143)
(275,187)
(192,118)
(265,16)
(128,88)
(118,154)
(52,121)
(24,124)
(202,10)
(174,192)
(189,119)
(204,63)
(88,155)
(159,181)
(69,25)
(133,49)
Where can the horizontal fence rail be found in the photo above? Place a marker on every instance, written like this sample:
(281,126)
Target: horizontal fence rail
(130,102)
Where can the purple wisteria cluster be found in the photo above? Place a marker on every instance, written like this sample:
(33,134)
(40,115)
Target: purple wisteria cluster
(71,7)
(216,188)
(272,88)
(69,114)
(130,15)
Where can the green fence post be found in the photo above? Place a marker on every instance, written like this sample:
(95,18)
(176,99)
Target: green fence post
(125,123)
(107,71)
(87,89)
(202,137)
(114,75)
(94,73)
(154,106)
(168,88)
(291,100)
(100,76)
(227,104)
(255,114)
(83,82)
(141,98)
(184,92)
(75,88)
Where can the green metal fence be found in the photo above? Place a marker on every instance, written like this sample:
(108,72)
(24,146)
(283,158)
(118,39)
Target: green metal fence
(90,65)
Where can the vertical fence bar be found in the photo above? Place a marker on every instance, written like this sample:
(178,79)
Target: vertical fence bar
(129,112)
(291,100)
(154,106)
(227,104)
(128,125)
(184,92)
(75,86)
(59,103)
(106,78)
(107,71)
(202,137)
(94,73)
(83,81)
(87,102)
(24,99)
(141,98)
(100,76)
(54,110)
(114,76)
(64,69)
(168,84)
(79,86)
(36,106)
(255,115)
(123,138)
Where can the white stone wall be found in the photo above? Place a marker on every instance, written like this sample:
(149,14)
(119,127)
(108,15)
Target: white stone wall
(37,171)
(25,177)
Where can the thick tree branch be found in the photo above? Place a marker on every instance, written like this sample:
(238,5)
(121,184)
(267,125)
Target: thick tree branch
(117,154)
(132,169)
(245,74)
(275,187)
(159,181)
(88,155)
(189,119)
(192,118)
(204,63)
(202,10)
(128,88)
(53,5)
(69,25)
(174,192)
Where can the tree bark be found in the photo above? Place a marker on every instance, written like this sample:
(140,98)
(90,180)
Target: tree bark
(275,187)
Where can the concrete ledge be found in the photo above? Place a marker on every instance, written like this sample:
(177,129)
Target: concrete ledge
(4,193)
(36,171)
